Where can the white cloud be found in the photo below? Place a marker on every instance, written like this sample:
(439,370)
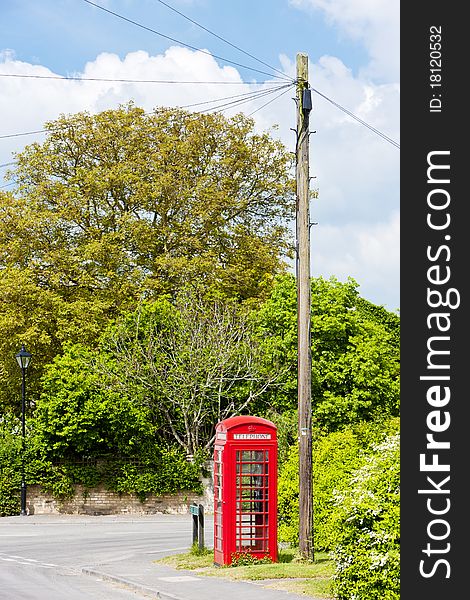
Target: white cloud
(358,249)
(26,104)
(374,23)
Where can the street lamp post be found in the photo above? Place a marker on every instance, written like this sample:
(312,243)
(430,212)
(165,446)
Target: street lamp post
(23,358)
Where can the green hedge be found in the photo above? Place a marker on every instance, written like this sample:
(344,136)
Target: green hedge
(367,538)
(335,457)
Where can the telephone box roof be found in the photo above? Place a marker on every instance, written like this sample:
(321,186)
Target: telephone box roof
(244,420)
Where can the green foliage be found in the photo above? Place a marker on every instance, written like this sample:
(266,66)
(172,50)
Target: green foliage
(85,434)
(204,551)
(76,417)
(287,431)
(335,457)
(13,458)
(288,498)
(9,492)
(10,465)
(167,473)
(367,539)
(355,353)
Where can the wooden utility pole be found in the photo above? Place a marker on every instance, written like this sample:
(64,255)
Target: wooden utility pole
(304,377)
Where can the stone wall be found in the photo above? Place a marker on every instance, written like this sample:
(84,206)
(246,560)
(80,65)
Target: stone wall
(100,501)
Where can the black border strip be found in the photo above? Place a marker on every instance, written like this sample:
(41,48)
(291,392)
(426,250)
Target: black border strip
(434,281)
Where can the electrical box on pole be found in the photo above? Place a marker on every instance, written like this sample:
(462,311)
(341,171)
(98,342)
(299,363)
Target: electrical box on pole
(304,376)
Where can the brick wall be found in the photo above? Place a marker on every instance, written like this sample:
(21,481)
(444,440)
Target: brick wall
(100,501)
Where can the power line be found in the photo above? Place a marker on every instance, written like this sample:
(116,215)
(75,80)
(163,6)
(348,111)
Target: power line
(240,98)
(348,112)
(220,37)
(11,135)
(8,164)
(250,96)
(163,81)
(269,101)
(232,104)
(179,41)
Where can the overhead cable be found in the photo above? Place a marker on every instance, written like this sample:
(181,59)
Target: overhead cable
(221,38)
(348,112)
(180,42)
(240,98)
(11,135)
(269,101)
(110,80)
(233,103)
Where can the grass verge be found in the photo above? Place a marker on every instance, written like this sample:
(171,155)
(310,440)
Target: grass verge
(289,574)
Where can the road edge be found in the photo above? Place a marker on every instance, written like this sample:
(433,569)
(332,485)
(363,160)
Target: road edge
(130,584)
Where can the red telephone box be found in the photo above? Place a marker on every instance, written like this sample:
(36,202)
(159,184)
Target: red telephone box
(245,489)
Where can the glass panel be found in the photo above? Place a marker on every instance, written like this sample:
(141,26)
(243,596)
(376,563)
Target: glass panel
(251,455)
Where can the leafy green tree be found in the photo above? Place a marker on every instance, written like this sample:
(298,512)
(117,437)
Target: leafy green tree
(13,458)
(355,352)
(122,205)
(10,465)
(44,321)
(84,432)
(126,201)
(78,418)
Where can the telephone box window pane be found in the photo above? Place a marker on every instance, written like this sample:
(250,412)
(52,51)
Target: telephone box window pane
(250,455)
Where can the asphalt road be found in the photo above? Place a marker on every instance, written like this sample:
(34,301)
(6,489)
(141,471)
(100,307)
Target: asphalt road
(42,556)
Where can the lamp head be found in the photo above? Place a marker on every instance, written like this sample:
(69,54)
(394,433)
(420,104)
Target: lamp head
(23,358)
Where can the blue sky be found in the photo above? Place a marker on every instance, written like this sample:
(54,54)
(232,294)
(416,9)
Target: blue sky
(353,49)
(65,34)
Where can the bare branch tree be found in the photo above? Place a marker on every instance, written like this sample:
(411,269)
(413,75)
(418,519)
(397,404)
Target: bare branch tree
(195,363)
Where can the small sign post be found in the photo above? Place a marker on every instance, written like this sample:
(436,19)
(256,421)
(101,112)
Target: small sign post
(197,512)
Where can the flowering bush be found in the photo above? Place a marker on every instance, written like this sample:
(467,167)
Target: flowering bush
(366,531)
(241,559)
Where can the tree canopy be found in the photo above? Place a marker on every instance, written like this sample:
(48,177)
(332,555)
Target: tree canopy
(355,352)
(125,201)
(125,204)
(193,363)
